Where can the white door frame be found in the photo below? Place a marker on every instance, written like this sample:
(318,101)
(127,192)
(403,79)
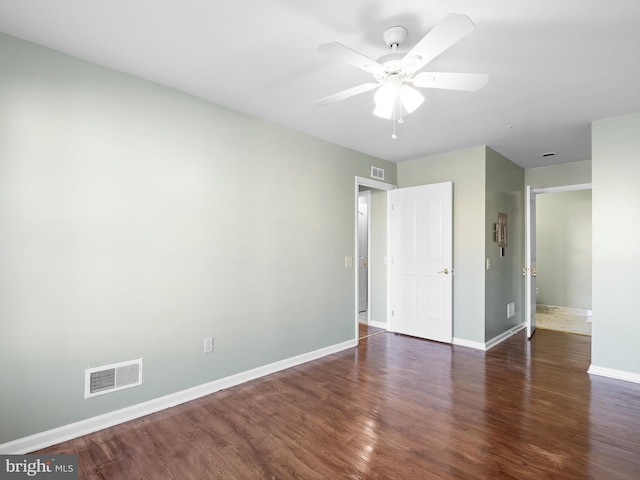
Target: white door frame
(560,189)
(367,196)
(529,271)
(378,185)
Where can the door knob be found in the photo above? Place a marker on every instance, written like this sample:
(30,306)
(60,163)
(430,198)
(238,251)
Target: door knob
(445,271)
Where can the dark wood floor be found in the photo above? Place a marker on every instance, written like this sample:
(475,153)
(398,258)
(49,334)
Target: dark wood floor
(395,407)
(365,330)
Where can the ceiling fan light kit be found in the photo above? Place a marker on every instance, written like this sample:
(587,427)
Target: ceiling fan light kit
(395,72)
(394,98)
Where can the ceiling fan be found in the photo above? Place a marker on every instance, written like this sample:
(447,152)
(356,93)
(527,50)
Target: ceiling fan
(396,73)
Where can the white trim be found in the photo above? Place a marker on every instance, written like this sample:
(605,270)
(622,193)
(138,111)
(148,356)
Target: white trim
(365,182)
(469,343)
(376,324)
(368,182)
(367,194)
(504,336)
(528,222)
(563,188)
(491,343)
(612,373)
(388,265)
(529,260)
(93,424)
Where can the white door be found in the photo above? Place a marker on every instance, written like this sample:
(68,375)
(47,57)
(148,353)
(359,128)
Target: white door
(363,251)
(530,261)
(421,261)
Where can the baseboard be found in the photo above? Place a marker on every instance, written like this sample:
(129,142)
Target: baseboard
(491,343)
(503,336)
(468,343)
(67,432)
(373,323)
(612,373)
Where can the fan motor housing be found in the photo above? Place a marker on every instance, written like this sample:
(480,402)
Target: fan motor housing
(392,63)
(391,57)
(395,36)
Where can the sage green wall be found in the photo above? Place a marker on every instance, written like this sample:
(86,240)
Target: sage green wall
(136,220)
(574,173)
(466,169)
(378,254)
(503,281)
(616,237)
(563,249)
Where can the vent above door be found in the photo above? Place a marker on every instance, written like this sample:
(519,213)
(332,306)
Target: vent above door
(377,173)
(111,378)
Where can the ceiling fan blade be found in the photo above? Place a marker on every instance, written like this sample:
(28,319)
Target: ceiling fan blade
(468,82)
(451,29)
(350,56)
(344,94)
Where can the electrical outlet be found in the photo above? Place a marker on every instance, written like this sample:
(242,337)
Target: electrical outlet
(208,345)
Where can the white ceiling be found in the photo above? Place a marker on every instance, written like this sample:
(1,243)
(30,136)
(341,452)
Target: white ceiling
(554,65)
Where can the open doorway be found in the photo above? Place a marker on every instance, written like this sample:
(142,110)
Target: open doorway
(560,231)
(371,254)
(563,242)
(362,264)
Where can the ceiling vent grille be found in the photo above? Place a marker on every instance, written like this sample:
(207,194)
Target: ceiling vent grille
(377,173)
(111,378)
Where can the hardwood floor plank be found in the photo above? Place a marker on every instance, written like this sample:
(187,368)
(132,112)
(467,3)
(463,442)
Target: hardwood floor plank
(395,407)
(365,330)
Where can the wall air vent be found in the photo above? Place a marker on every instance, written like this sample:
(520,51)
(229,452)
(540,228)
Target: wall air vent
(111,378)
(377,173)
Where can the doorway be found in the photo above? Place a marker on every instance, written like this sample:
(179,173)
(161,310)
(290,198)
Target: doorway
(561,297)
(370,254)
(364,200)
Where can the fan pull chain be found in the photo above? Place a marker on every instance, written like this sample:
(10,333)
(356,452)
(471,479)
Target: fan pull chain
(393,120)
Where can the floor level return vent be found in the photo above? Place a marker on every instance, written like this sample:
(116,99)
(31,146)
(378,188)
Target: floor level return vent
(111,378)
